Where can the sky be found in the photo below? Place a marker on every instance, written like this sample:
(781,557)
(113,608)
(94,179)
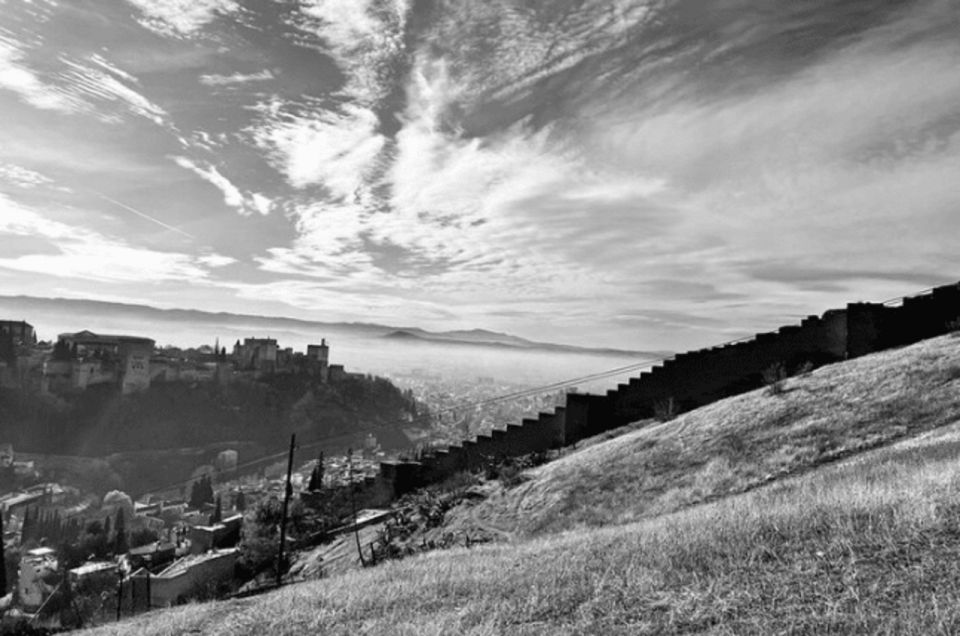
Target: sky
(634,174)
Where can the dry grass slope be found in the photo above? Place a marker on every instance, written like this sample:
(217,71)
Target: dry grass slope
(737,444)
(867,545)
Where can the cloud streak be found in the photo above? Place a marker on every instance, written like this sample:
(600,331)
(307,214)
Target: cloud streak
(144,215)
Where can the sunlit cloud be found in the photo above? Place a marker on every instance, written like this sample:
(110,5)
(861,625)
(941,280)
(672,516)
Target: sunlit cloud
(364,37)
(236,78)
(336,148)
(90,84)
(232,196)
(76,88)
(17,77)
(181,17)
(22,177)
(87,255)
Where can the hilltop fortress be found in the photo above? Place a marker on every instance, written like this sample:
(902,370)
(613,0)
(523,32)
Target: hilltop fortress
(84,359)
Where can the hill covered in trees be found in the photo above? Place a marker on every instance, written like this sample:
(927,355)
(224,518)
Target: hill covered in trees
(101,421)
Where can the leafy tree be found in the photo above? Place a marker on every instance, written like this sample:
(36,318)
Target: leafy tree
(316,476)
(94,541)
(61,351)
(201,492)
(143,536)
(261,534)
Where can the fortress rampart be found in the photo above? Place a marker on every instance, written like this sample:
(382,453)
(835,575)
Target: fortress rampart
(694,379)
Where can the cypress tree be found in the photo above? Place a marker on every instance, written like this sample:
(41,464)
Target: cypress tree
(217,515)
(106,528)
(27,528)
(120,545)
(195,494)
(240,502)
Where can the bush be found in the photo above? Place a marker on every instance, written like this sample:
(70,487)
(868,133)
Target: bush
(509,470)
(665,410)
(773,378)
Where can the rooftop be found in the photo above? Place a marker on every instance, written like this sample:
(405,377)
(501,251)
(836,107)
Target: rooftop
(92,567)
(150,548)
(88,337)
(184,564)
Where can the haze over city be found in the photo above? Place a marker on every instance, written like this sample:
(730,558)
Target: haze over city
(641,175)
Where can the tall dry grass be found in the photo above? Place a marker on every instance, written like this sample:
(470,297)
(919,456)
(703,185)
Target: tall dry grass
(737,444)
(867,545)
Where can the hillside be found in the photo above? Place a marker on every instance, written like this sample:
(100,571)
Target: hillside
(739,443)
(864,544)
(161,435)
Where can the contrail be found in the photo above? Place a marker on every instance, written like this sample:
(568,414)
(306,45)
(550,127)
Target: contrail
(144,215)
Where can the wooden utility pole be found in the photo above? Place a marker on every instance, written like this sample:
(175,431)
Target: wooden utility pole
(119,594)
(286,503)
(353,505)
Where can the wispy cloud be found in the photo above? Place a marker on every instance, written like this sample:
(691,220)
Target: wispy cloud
(22,177)
(181,17)
(236,78)
(232,196)
(95,85)
(76,87)
(17,77)
(335,148)
(365,37)
(87,255)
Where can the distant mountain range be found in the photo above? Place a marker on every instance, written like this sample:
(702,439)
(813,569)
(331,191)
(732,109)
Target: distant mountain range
(482,337)
(23,307)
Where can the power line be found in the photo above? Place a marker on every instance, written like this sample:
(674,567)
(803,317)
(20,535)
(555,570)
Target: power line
(506,397)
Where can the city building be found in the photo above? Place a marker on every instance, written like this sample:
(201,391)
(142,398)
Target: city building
(218,535)
(85,358)
(38,577)
(182,579)
(319,357)
(20,332)
(256,354)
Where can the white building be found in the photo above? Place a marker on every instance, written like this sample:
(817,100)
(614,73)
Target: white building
(37,579)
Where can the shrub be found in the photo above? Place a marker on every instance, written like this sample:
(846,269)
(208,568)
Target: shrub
(665,410)
(804,368)
(773,378)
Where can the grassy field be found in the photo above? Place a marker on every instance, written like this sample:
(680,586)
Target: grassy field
(869,544)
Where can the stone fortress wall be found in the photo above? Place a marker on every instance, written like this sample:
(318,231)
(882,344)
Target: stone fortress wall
(691,380)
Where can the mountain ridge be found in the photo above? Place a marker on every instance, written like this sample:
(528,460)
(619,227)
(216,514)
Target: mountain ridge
(475,337)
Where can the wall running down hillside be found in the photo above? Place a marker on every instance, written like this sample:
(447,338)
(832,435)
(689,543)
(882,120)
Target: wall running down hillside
(691,380)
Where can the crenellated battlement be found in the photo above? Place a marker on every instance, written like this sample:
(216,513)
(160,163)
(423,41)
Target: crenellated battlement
(696,378)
